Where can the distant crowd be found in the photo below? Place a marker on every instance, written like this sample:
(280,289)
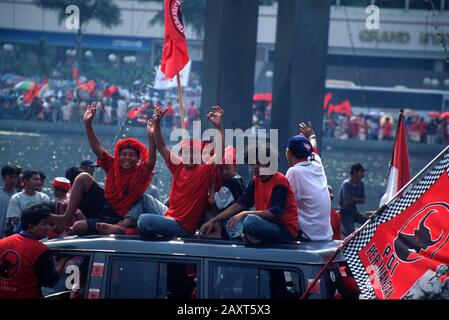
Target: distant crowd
(112,110)
(369,127)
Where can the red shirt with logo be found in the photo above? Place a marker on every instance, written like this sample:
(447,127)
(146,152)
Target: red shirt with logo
(17,261)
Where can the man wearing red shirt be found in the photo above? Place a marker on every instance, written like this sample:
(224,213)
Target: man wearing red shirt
(25,263)
(387,129)
(190,185)
(275,218)
(128,174)
(421,127)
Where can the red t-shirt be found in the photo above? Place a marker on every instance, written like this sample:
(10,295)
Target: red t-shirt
(336,224)
(387,127)
(188,194)
(133,183)
(18,256)
(421,128)
(262,200)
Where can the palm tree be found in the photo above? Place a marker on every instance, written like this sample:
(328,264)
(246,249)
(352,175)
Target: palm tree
(104,11)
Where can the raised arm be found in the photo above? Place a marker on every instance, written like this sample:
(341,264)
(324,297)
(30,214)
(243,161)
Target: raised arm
(166,154)
(95,144)
(307,131)
(215,117)
(151,162)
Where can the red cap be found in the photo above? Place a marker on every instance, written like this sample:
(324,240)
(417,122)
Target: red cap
(61,183)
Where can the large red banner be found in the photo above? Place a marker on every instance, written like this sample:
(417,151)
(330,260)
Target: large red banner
(408,256)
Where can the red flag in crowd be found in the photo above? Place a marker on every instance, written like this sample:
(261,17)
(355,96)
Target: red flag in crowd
(29,96)
(343,108)
(400,165)
(174,54)
(109,91)
(404,252)
(76,76)
(327,100)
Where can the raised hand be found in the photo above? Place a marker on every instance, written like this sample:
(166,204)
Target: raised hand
(150,127)
(158,114)
(90,113)
(306,129)
(216,115)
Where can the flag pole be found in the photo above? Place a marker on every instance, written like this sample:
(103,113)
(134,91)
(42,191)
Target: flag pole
(353,235)
(181,106)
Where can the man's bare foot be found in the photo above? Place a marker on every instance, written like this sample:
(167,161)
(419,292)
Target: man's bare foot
(63,221)
(106,228)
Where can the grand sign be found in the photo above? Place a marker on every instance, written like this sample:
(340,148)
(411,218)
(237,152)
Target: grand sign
(400,37)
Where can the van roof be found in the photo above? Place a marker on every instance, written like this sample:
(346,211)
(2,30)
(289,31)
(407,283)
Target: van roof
(305,252)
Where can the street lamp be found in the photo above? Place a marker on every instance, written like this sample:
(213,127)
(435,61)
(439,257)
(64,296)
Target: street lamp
(269,74)
(7,47)
(70,52)
(435,83)
(427,82)
(112,58)
(129,59)
(88,54)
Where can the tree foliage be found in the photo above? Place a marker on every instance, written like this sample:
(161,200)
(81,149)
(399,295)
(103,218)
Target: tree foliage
(104,11)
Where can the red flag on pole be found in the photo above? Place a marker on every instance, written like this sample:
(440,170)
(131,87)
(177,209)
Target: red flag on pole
(327,100)
(29,96)
(174,54)
(76,76)
(400,165)
(404,252)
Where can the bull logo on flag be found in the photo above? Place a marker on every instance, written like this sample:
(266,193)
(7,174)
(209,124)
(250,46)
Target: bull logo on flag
(416,237)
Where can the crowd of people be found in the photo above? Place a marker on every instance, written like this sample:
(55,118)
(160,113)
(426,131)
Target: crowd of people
(115,106)
(376,127)
(207,198)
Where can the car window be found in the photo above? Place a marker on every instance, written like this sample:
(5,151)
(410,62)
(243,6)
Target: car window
(253,282)
(135,278)
(73,280)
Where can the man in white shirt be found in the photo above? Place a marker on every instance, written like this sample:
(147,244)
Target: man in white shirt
(10,176)
(309,184)
(27,198)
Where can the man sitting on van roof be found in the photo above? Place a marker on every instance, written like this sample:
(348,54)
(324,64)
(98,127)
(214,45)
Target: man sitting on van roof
(309,184)
(275,218)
